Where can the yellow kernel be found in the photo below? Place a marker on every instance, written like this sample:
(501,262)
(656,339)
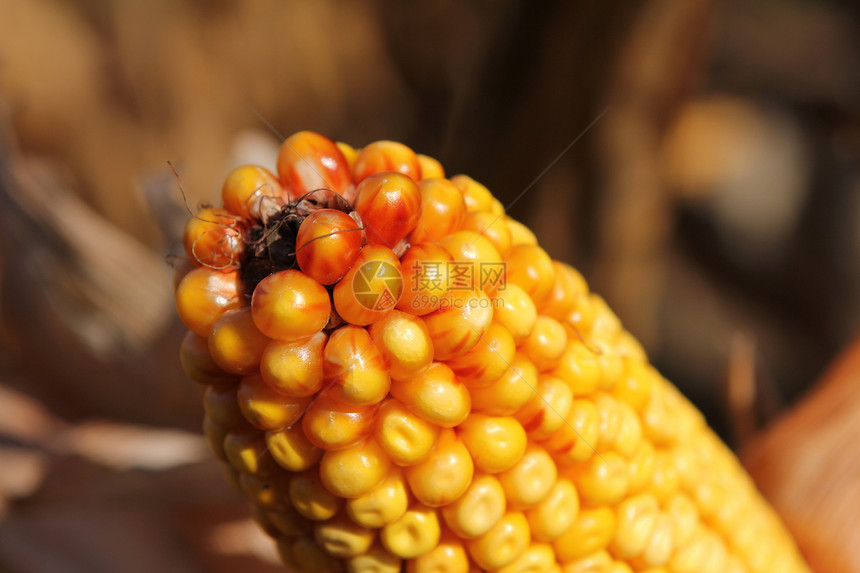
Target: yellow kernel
(607,412)
(235,343)
(266,409)
(641,467)
(634,386)
(376,560)
(580,318)
(477,197)
(404,343)
(291,449)
(591,531)
(383,504)
(579,367)
(530,479)
(341,537)
(665,480)
(333,425)
(573,442)
(294,368)
(479,509)
(520,234)
(605,325)
(405,436)
(348,151)
(436,395)
(449,556)
(503,544)
(197,363)
(568,285)
(548,409)
(356,470)
(353,367)
(288,521)
(684,516)
(445,474)
(546,344)
(537,558)
(611,365)
(513,390)
(310,498)
(460,322)
(495,443)
(430,167)
(629,433)
(636,517)
(215,435)
(307,555)
(246,451)
(416,532)
(264,492)
(491,226)
(601,480)
(660,546)
(554,514)
(596,562)
(487,361)
(222,408)
(515,310)
(474,255)
(531,268)
(628,347)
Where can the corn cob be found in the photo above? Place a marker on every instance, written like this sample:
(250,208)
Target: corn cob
(399,378)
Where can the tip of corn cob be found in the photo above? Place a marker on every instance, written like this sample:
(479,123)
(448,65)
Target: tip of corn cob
(398,378)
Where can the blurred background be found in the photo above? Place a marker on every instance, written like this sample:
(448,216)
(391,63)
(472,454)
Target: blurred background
(699,162)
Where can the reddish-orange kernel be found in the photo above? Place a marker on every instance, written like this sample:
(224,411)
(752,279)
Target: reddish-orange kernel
(496,442)
(371,288)
(430,167)
(477,263)
(463,318)
(531,268)
(235,343)
(390,206)
(327,244)
(491,226)
(353,367)
(404,343)
(436,395)
(443,211)
(381,156)
(426,267)
(203,295)
(478,197)
(404,435)
(246,187)
(487,361)
(309,161)
(199,365)
(294,368)
(266,409)
(444,475)
(289,305)
(213,239)
(333,425)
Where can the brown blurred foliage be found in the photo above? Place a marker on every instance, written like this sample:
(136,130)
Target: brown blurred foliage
(699,161)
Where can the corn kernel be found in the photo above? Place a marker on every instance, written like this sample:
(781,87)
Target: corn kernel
(640,468)
(607,411)
(520,234)
(579,367)
(515,310)
(376,560)
(294,368)
(629,433)
(605,326)
(463,317)
(354,471)
(404,343)
(308,556)
(416,532)
(580,319)
(503,544)
(246,186)
(246,451)
(384,504)
(289,305)
(266,409)
(478,510)
(449,556)
(427,270)
(660,546)
(636,518)
(546,344)
(635,385)
(292,450)
(477,197)
(474,253)
(406,437)
(555,514)
(444,475)
(592,530)
(601,480)
(495,443)
(538,558)
(288,521)
(491,226)
(348,151)
(597,562)
(222,408)
(513,390)
(548,409)
(341,537)
(684,516)
(665,479)
(197,363)
(531,268)
(568,285)
(436,395)
(572,443)
(264,492)
(334,425)
(353,367)
(487,361)
(235,343)
(310,498)
(530,479)
(430,167)
(204,295)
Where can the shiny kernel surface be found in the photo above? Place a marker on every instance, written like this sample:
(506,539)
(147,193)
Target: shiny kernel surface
(530,480)
(479,509)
